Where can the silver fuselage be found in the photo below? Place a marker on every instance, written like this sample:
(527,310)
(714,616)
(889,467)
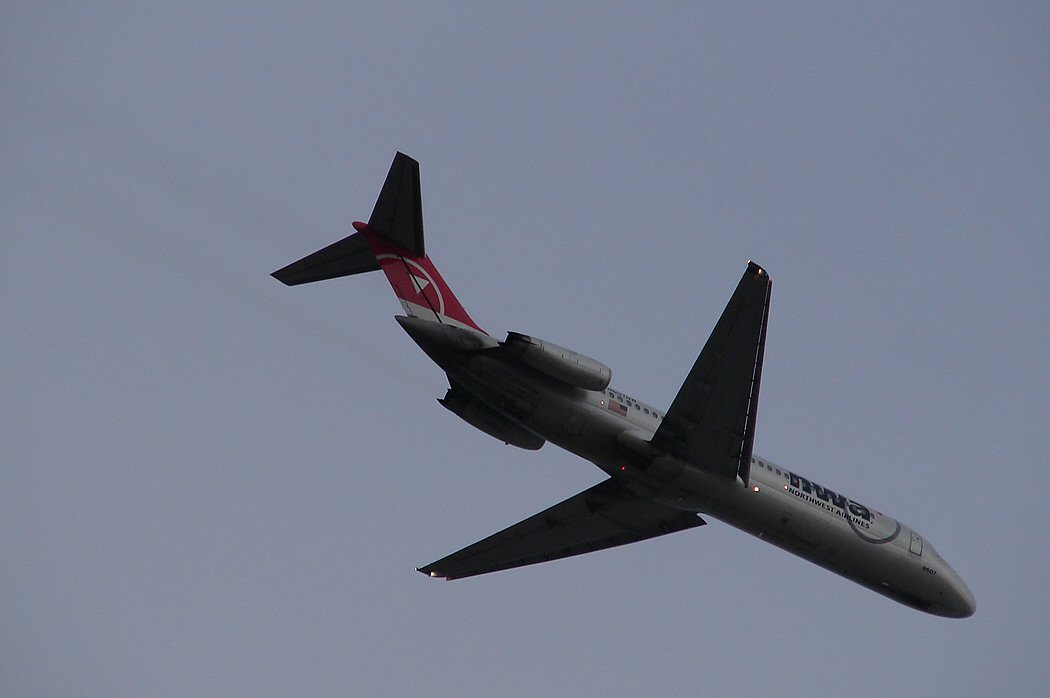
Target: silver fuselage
(613,431)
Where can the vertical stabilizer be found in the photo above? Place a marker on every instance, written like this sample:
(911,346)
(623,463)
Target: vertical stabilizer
(392,240)
(398,213)
(395,236)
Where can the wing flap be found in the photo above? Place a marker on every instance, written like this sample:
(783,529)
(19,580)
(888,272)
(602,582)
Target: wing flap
(711,422)
(604,516)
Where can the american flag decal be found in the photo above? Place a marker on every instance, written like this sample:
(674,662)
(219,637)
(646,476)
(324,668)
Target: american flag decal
(618,407)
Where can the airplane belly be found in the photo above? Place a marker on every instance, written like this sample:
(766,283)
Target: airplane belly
(498,385)
(558,412)
(875,556)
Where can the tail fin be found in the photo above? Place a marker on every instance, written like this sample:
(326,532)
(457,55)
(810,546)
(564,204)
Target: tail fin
(398,213)
(392,240)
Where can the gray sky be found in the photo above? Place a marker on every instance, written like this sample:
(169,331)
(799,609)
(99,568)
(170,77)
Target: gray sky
(213,485)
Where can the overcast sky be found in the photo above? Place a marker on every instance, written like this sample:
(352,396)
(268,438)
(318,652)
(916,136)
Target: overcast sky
(214,485)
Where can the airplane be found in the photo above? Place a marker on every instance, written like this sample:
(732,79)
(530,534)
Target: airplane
(666,468)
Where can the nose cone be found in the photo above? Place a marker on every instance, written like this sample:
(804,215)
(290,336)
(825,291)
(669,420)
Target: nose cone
(960,603)
(955,600)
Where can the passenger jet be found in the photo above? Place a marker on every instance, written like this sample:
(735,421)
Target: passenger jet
(666,468)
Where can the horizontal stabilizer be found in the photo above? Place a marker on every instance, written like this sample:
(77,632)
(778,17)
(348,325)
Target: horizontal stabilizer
(350,255)
(604,516)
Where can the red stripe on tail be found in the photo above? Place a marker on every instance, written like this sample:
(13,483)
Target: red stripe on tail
(417,282)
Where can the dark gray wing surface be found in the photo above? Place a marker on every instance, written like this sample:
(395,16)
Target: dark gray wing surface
(711,422)
(398,213)
(604,516)
(351,255)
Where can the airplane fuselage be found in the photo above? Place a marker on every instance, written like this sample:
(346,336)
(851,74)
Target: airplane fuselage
(665,467)
(614,431)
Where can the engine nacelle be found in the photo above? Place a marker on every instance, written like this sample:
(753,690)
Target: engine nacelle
(480,416)
(558,362)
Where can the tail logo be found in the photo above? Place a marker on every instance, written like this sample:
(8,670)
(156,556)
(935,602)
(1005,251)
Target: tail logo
(420,282)
(419,278)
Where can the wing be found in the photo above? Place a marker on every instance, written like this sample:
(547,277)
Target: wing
(711,422)
(350,255)
(603,516)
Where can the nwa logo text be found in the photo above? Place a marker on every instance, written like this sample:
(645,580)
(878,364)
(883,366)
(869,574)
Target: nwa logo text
(825,498)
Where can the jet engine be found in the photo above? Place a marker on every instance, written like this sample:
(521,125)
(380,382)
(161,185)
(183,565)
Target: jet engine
(479,415)
(558,362)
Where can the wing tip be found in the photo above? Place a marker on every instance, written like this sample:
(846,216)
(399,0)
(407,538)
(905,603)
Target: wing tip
(432,573)
(757,269)
(281,277)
